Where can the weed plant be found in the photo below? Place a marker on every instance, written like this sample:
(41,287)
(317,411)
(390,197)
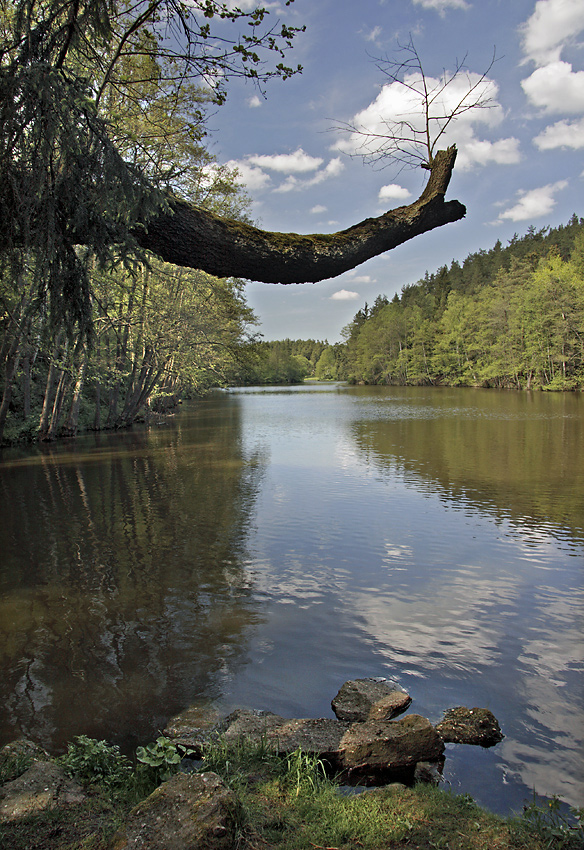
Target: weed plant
(287,803)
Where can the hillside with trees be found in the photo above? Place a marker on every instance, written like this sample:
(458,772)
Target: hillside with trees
(511,317)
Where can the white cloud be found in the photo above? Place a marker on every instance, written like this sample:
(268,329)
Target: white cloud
(361,278)
(562,134)
(317,209)
(556,88)
(535,203)
(333,169)
(399,103)
(473,151)
(374,34)
(344,295)
(289,184)
(393,192)
(298,162)
(553,24)
(442,5)
(254,101)
(253,178)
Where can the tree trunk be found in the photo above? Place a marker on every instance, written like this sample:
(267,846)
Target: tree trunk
(49,390)
(70,426)
(190,236)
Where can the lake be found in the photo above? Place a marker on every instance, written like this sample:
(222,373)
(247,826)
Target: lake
(265,545)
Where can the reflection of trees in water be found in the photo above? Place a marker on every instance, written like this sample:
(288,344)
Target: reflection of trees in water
(509,456)
(125,596)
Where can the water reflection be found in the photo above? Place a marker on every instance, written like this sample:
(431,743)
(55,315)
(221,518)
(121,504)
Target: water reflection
(518,454)
(123,593)
(510,601)
(270,545)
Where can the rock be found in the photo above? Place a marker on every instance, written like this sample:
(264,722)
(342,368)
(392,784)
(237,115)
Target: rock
(394,704)
(189,812)
(320,736)
(463,725)
(18,756)
(194,723)
(249,723)
(376,752)
(43,786)
(357,697)
(429,772)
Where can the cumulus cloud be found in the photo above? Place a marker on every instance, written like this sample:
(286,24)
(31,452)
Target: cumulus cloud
(253,170)
(556,88)
(298,162)
(562,134)
(317,209)
(292,183)
(393,192)
(361,278)
(473,151)
(344,295)
(442,5)
(553,24)
(397,103)
(253,178)
(332,169)
(534,203)
(254,101)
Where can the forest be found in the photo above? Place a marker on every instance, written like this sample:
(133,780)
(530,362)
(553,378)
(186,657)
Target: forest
(511,317)
(101,117)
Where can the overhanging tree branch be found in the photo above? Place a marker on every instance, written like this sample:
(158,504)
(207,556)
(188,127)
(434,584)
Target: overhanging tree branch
(193,237)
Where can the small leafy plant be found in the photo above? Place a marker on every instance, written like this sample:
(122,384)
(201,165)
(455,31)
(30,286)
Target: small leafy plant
(97,762)
(161,758)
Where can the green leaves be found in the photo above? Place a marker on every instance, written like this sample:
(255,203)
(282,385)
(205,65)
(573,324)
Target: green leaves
(93,761)
(162,757)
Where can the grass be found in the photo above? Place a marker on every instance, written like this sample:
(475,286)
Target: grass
(288,803)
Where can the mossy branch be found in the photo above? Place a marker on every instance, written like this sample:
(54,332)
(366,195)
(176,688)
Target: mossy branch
(193,237)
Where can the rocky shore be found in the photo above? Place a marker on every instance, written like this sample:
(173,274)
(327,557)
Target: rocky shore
(372,742)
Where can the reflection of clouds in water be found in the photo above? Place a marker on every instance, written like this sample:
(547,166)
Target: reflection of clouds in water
(453,629)
(449,627)
(551,662)
(347,456)
(394,552)
(547,769)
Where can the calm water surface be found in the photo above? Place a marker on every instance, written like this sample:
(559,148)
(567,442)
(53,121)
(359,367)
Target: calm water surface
(267,545)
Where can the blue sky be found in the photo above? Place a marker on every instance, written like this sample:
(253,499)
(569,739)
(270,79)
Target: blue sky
(520,162)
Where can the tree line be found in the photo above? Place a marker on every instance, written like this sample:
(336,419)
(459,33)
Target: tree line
(511,317)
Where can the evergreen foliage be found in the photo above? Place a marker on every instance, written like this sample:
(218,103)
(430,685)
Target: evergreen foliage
(102,119)
(509,317)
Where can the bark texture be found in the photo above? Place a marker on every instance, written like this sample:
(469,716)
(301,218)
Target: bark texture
(193,237)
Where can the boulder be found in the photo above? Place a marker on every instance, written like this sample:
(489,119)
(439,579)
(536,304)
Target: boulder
(193,724)
(429,772)
(319,736)
(356,699)
(43,786)
(17,756)
(189,812)
(376,752)
(463,725)
(394,704)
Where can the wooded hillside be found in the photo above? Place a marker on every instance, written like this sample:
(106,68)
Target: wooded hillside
(509,317)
